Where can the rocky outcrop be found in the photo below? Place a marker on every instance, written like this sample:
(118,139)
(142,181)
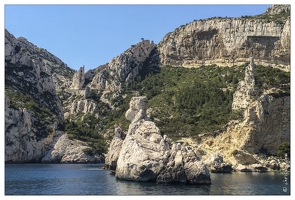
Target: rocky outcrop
(217,164)
(276,9)
(78,79)
(146,155)
(83,106)
(114,149)
(123,69)
(66,150)
(21,141)
(229,41)
(246,89)
(264,127)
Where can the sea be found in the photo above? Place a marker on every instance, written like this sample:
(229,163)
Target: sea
(91,179)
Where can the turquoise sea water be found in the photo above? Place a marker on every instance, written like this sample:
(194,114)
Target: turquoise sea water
(90,179)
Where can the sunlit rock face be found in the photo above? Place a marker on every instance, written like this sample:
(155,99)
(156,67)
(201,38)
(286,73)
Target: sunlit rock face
(229,41)
(147,156)
(123,69)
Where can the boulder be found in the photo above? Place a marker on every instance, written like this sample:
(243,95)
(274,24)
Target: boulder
(243,168)
(218,166)
(259,168)
(244,158)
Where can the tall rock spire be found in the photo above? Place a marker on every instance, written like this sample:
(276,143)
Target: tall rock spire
(78,79)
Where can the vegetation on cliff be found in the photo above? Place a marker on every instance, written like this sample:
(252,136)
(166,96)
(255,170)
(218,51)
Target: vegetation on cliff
(181,101)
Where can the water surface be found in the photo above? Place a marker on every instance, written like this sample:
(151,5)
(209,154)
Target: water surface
(90,179)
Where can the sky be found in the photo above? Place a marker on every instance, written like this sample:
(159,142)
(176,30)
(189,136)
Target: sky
(92,35)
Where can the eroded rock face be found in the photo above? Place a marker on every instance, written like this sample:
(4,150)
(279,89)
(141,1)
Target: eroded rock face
(147,156)
(78,79)
(27,70)
(32,107)
(114,149)
(229,41)
(66,150)
(124,68)
(83,106)
(21,142)
(246,88)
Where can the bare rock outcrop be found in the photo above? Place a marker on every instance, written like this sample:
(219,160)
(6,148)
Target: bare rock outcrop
(83,106)
(114,150)
(78,79)
(123,69)
(246,88)
(217,165)
(66,150)
(146,155)
(229,41)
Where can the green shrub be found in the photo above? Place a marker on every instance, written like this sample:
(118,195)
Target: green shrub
(283,149)
(88,151)
(235,152)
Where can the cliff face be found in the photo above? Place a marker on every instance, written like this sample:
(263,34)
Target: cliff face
(123,69)
(33,110)
(229,41)
(246,88)
(264,127)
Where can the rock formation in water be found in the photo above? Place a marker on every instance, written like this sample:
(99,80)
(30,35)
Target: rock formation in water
(114,149)
(147,156)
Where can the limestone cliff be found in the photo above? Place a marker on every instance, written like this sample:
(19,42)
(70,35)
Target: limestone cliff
(33,109)
(230,41)
(264,127)
(123,69)
(66,150)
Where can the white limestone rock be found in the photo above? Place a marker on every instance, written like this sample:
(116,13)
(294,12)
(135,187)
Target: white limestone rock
(78,79)
(146,155)
(66,150)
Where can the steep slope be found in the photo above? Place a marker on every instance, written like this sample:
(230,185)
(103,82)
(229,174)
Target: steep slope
(230,41)
(123,69)
(33,110)
(32,107)
(265,125)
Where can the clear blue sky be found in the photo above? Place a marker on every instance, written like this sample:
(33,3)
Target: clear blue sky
(92,35)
